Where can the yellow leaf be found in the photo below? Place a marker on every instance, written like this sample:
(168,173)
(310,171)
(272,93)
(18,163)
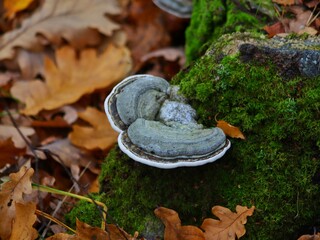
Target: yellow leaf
(11,192)
(76,21)
(230,130)
(100,135)
(71,78)
(23,222)
(230,225)
(174,230)
(14,6)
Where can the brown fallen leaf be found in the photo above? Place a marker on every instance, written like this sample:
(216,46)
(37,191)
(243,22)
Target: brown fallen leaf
(100,135)
(30,63)
(8,131)
(174,230)
(284,2)
(53,118)
(300,21)
(230,130)
(9,152)
(12,192)
(74,158)
(58,20)
(311,3)
(145,29)
(71,78)
(14,6)
(230,226)
(23,222)
(274,29)
(63,236)
(310,237)
(169,54)
(6,77)
(308,30)
(86,232)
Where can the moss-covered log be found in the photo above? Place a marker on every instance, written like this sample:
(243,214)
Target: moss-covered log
(276,105)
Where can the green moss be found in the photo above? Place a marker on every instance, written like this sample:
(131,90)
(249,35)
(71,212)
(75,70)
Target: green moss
(86,212)
(135,190)
(211,19)
(276,163)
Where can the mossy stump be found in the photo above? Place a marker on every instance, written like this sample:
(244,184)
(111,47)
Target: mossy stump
(276,168)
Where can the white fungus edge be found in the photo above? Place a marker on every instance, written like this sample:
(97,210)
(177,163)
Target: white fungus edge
(112,93)
(170,165)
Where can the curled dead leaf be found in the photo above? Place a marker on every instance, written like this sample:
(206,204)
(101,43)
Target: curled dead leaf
(174,230)
(230,130)
(274,29)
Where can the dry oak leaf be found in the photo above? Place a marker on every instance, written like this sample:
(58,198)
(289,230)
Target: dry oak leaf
(71,78)
(12,192)
(14,6)
(310,237)
(86,232)
(23,222)
(174,230)
(76,21)
(7,131)
(230,130)
(230,225)
(100,135)
(284,2)
(70,156)
(274,29)
(9,152)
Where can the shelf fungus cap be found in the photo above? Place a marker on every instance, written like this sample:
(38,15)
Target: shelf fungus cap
(137,96)
(158,128)
(178,8)
(156,144)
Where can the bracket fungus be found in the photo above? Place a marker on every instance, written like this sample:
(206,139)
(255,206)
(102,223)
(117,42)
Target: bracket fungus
(158,128)
(179,8)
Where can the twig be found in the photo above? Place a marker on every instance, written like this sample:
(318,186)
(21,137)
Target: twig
(37,177)
(62,201)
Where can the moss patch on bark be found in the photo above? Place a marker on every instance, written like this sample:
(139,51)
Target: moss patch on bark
(210,19)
